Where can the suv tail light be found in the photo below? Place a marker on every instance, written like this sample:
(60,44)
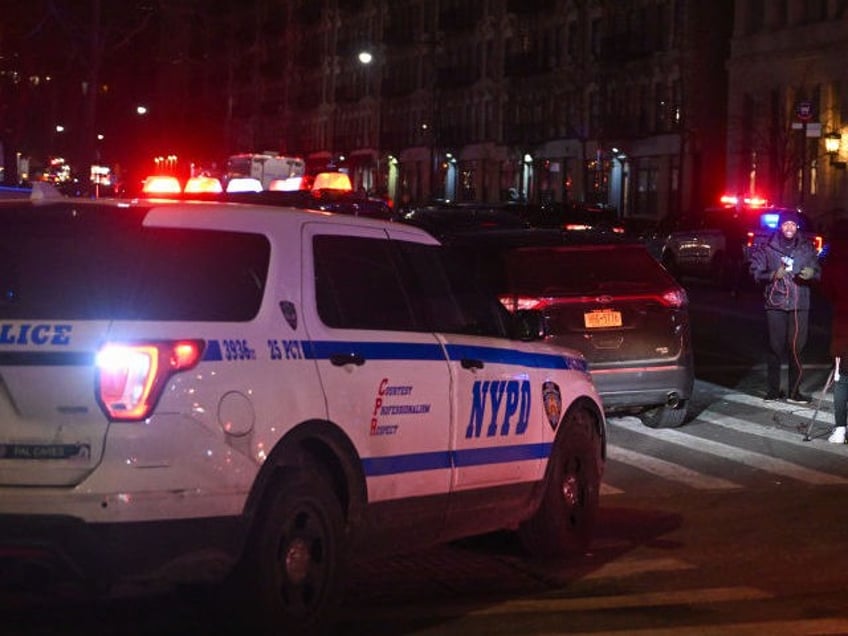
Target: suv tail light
(514,303)
(676,298)
(131,376)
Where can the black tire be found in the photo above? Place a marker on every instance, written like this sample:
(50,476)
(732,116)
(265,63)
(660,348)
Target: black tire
(665,416)
(564,523)
(296,562)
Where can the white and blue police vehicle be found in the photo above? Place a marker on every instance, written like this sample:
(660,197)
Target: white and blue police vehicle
(190,387)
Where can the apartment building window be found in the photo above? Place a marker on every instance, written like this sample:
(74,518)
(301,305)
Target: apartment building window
(754,18)
(814,11)
(663,24)
(595,38)
(779,14)
(573,41)
(560,45)
(677,30)
(661,108)
(644,109)
(594,113)
(647,175)
(676,103)
(840,97)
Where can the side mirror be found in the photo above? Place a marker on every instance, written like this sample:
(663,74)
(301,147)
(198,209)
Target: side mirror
(528,324)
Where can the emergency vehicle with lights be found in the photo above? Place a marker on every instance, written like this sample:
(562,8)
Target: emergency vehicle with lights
(267,167)
(716,243)
(190,387)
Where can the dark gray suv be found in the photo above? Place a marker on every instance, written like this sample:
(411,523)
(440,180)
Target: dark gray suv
(611,301)
(619,307)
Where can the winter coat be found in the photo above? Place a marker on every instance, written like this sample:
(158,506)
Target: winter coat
(790,292)
(835,288)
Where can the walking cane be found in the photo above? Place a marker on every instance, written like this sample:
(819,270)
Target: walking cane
(834,375)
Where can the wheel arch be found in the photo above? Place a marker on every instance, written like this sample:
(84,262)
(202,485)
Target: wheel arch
(597,411)
(315,444)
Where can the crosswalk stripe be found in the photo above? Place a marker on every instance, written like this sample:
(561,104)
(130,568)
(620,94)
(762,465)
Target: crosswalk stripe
(648,599)
(630,567)
(806,411)
(796,439)
(550,605)
(759,461)
(668,470)
(607,490)
(819,626)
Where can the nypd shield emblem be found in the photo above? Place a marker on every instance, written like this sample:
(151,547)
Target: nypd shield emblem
(552,399)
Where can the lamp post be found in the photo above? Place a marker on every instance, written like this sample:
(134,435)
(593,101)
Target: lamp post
(365,168)
(832,146)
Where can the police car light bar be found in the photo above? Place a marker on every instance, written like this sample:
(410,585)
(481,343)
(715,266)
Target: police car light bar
(753,201)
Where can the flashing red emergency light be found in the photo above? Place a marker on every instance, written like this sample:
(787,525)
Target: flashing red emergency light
(752,201)
(332,181)
(202,184)
(161,184)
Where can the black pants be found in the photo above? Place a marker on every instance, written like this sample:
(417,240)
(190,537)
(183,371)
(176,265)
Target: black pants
(787,336)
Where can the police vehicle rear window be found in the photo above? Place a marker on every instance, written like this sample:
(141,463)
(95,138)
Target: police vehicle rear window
(100,263)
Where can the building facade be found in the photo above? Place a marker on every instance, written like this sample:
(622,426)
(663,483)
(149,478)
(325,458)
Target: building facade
(788,103)
(613,102)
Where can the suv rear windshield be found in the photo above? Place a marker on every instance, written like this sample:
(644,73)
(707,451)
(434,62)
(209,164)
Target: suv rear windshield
(97,262)
(573,271)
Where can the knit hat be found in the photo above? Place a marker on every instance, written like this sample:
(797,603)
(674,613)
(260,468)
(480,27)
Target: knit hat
(789,215)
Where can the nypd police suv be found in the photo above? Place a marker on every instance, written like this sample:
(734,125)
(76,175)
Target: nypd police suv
(188,387)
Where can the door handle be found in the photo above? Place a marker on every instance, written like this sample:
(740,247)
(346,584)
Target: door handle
(468,363)
(341,359)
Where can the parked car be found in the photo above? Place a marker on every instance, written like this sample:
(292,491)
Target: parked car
(612,301)
(195,391)
(716,243)
(446,219)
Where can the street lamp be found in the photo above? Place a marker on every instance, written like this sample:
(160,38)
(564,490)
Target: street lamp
(832,145)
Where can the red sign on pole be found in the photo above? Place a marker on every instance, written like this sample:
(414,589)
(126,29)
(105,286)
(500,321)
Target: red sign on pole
(804,111)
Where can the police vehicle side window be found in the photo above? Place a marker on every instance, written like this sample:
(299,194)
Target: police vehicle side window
(358,285)
(452,297)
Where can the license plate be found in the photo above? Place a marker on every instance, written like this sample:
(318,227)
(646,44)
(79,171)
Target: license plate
(73,452)
(601,318)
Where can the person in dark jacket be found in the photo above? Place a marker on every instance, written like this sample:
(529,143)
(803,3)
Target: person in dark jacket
(835,276)
(786,264)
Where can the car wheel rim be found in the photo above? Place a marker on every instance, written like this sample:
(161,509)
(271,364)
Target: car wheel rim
(573,485)
(303,562)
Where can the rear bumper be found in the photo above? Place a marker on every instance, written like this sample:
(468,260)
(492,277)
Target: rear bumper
(644,386)
(60,556)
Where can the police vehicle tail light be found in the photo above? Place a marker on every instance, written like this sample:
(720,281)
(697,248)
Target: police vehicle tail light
(131,376)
